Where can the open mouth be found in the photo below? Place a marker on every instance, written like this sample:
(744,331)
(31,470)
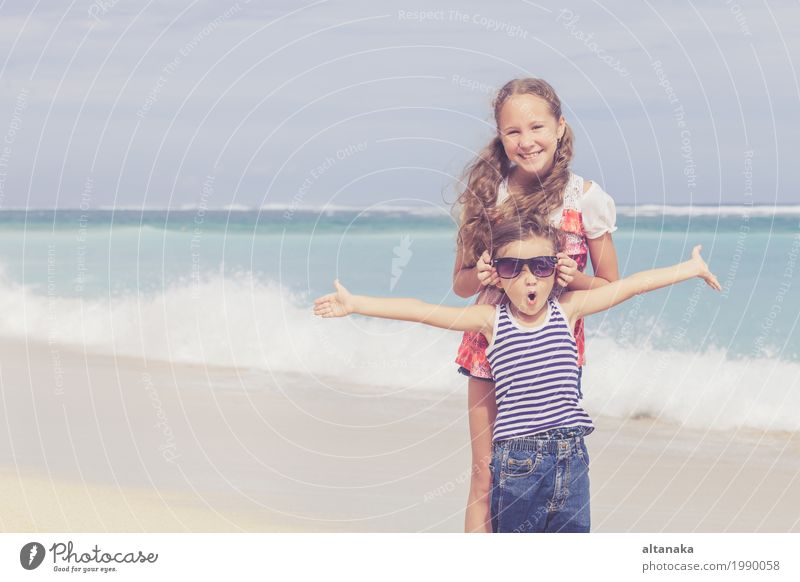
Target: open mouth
(531,297)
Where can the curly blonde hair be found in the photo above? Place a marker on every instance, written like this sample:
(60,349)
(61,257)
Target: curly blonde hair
(483,175)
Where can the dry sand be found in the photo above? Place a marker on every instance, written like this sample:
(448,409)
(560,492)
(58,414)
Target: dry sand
(98,443)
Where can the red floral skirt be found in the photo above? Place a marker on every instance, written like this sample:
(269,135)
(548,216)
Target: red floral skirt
(472,351)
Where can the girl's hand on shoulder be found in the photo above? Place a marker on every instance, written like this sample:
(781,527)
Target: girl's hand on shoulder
(702,269)
(337,304)
(566,269)
(487,274)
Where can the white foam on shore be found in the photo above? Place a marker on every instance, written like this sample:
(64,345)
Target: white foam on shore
(650,210)
(246,323)
(703,390)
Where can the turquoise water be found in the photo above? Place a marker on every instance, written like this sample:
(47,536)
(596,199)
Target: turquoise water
(101,254)
(236,289)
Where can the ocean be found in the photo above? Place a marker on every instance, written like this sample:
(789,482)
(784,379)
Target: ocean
(235,288)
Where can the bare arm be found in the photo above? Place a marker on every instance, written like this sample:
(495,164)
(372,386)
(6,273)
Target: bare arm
(605,266)
(581,303)
(478,318)
(465,278)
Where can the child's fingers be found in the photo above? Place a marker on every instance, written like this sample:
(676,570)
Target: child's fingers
(323,299)
(326,308)
(328,312)
(566,271)
(712,281)
(488,277)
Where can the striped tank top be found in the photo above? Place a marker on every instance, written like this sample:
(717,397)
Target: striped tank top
(536,375)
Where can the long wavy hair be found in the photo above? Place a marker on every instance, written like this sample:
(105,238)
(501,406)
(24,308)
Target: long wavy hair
(484,174)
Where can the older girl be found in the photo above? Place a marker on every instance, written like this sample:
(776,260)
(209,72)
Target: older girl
(524,171)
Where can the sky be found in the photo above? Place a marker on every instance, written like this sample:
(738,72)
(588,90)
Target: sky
(179,104)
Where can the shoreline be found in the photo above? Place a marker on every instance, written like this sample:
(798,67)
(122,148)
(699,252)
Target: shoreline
(263,452)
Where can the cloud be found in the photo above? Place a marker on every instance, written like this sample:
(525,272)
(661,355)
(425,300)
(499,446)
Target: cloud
(121,91)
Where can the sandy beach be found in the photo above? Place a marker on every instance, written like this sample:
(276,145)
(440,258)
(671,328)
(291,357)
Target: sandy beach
(102,443)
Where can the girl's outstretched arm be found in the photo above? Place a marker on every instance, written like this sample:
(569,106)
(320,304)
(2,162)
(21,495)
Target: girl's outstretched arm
(342,303)
(581,303)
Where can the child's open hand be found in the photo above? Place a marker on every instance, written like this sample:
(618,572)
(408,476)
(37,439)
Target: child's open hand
(487,274)
(567,267)
(702,269)
(337,304)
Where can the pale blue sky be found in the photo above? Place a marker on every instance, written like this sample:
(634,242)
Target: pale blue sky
(260,95)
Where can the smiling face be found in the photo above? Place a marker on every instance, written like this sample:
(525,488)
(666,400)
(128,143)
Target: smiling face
(528,293)
(530,134)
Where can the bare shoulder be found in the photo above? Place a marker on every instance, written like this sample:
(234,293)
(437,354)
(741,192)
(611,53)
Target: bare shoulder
(488,311)
(568,301)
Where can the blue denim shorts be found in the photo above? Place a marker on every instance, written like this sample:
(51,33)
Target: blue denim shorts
(541,483)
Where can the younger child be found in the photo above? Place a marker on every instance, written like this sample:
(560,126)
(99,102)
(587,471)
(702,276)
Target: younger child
(540,479)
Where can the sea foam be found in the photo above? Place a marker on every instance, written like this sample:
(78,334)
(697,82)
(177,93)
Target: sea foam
(246,323)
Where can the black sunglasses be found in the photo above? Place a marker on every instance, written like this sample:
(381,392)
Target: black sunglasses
(509,267)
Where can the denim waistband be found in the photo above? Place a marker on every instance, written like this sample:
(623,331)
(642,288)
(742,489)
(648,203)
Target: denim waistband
(550,441)
(563,432)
